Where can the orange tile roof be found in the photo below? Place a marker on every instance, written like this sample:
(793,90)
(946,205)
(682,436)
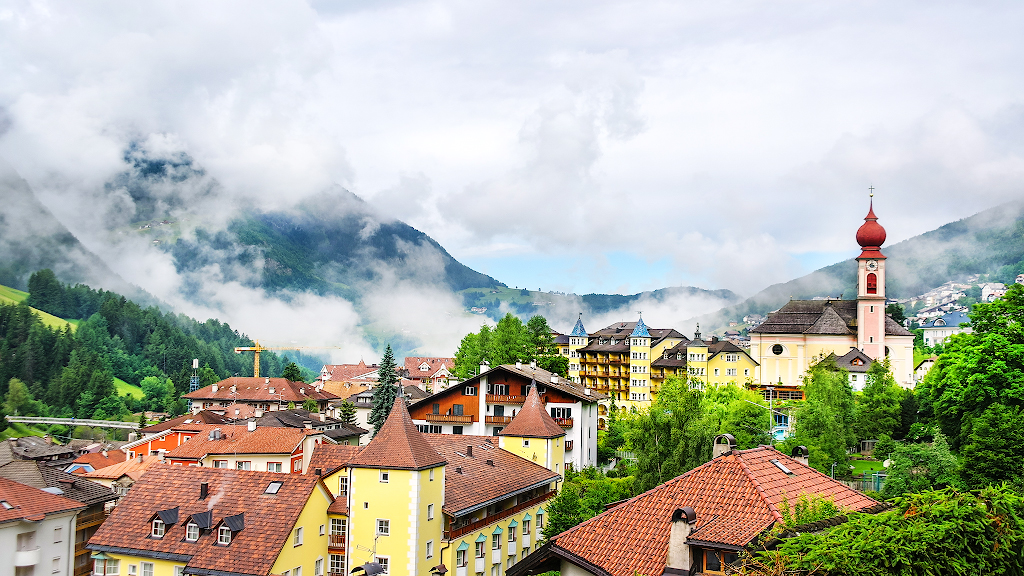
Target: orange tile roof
(249,389)
(412,364)
(480,482)
(736,497)
(201,417)
(533,421)
(28,503)
(398,445)
(238,440)
(133,468)
(268,520)
(330,457)
(340,372)
(100,459)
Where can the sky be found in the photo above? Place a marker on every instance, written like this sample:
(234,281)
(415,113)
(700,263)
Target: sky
(573,146)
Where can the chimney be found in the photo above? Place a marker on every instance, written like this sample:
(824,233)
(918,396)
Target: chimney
(215,388)
(271,389)
(490,462)
(104,453)
(233,389)
(469,451)
(519,365)
(258,413)
(302,391)
(133,436)
(586,392)
(307,425)
(533,364)
(800,454)
(319,471)
(251,426)
(140,458)
(204,490)
(554,378)
(323,417)
(679,558)
(267,381)
(484,366)
(724,443)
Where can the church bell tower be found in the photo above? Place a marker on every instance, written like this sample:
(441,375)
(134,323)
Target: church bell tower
(871,286)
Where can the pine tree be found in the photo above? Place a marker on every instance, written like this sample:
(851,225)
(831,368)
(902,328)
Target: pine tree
(348,412)
(385,392)
(292,372)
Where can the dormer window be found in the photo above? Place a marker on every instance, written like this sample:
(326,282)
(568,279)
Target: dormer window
(158,528)
(224,536)
(191,532)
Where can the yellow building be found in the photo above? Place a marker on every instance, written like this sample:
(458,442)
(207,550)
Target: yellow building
(715,363)
(193,520)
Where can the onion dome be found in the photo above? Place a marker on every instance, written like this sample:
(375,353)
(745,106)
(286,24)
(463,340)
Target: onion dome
(871,235)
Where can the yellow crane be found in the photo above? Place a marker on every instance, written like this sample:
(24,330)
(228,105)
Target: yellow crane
(257,349)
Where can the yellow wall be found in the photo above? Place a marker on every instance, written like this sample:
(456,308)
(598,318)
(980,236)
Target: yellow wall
(470,539)
(259,461)
(404,501)
(549,453)
(160,567)
(314,546)
(639,372)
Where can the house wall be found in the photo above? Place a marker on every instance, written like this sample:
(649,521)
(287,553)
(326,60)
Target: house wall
(314,546)
(44,539)
(160,567)
(519,549)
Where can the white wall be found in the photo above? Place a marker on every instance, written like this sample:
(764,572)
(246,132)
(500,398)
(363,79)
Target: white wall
(44,540)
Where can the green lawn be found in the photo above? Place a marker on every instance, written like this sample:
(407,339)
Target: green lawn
(124,388)
(17,430)
(862,466)
(11,296)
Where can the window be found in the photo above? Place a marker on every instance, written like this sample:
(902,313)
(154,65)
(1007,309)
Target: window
(58,535)
(191,532)
(430,511)
(460,558)
(479,550)
(224,536)
(243,465)
(526,527)
(511,533)
(384,476)
(457,409)
(147,569)
(872,284)
(511,560)
(297,538)
(525,442)
(274,487)
(158,529)
(717,372)
(732,357)
(431,476)
(383,527)
(456,429)
(343,486)
(435,408)
(729,371)
(273,466)
(383,564)
(746,371)
(318,567)
(106,567)
(428,429)
(55,567)
(496,570)
(778,349)
(711,561)
(297,465)
(323,530)
(179,570)
(430,548)
(495,541)
(337,526)
(469,391)
(133,569)
(540,520)
(220,463)
(337,564)
(561,412)
(297,571)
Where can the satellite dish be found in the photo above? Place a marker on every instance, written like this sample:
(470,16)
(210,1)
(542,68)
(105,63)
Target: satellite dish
(887,463)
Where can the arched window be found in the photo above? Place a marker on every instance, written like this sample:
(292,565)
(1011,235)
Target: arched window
(872,283)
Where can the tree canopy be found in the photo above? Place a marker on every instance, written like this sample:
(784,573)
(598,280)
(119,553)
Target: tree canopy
(509,342)
(385,392)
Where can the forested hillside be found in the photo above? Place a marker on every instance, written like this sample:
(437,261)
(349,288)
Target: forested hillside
(71,373)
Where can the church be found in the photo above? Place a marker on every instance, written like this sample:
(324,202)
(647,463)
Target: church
(804,331)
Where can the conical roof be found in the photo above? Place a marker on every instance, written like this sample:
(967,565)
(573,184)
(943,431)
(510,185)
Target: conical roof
(532,421)
(398,445)
(640,330)
(578,329)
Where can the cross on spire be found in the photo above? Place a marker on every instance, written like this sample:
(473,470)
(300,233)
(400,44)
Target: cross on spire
(871,191)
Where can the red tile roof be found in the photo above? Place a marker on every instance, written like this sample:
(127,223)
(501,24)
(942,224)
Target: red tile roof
(736,497)
(480,482)
(133,468)
(413,363)
(330,457)
(533,421)
(248,389)
(28,503)
(398,444)
(100,459)
(238,440)
(201,417)
(341,372)
(268,520)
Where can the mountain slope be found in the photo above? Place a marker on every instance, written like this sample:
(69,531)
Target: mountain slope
(980,244)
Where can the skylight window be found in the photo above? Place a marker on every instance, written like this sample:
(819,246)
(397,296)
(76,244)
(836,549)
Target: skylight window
(273,487)
(782,467)
(7,505)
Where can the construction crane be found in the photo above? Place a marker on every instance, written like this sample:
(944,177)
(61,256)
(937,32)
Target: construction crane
(257,349)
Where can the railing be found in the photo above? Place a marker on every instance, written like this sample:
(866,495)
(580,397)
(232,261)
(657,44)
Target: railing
(73,422)
(497,419)
(505,399)
(568,445)
(80,546)
(495,517)
(336,540)
(564,422)
(464,419)
(91,518)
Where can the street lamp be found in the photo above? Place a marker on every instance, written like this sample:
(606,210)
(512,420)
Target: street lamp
(834,470)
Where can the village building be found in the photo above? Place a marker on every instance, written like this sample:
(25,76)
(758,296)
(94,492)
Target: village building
(119,478)
(923,367)
(201,417)
(37,530)
(261,394)
(216,522)
(856,364)
(35,448)
(485,404)
(695,523)
(940,329)
(363,402)
(433,373)
(338,431)
(95,460)
(804,331)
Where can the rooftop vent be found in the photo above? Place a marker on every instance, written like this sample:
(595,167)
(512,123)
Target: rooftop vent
(554,378)
(271,388)
(490,462)
(469,451)
(318,471)
(204,490)
(458,470)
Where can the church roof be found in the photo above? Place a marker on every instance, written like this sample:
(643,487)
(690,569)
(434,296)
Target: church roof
(802,316)
(398,445)
(578,329)
(830,322)
(640,330)
(533,421)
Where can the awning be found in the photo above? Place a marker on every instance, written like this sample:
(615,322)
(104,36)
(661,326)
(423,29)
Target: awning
(481,538)
(463,546)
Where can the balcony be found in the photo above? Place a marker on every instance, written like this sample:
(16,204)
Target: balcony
(336,541)
(451,418)
(24,558)
(505,399)
(564,422)
(451,534)
(568,445)
(499,420)
(87,518)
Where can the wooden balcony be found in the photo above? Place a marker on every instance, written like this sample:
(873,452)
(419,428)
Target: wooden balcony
(451,418)
(451,534)
(499,420)
(564,422)
(336,541)
(90,518)
(505,399)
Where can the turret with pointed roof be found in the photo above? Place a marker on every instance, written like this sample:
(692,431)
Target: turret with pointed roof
(533,421)
(398,445)
(640,330)
(578,330)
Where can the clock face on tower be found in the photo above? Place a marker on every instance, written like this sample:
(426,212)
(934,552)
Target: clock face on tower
(872,265)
